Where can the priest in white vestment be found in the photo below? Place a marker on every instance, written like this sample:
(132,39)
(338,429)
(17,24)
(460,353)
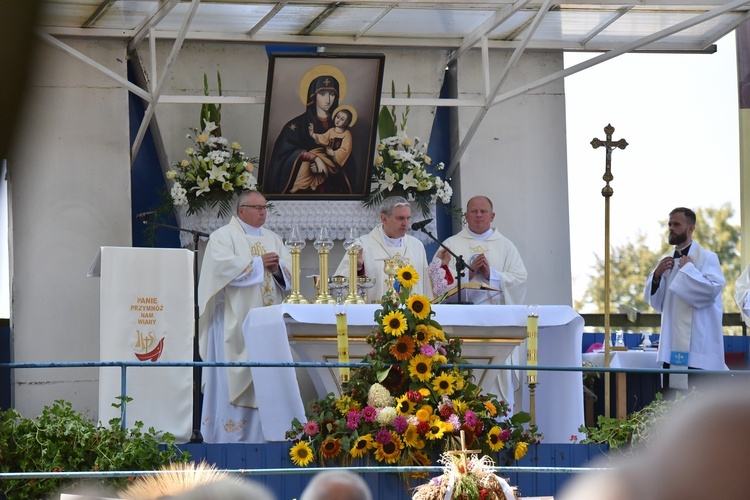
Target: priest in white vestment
(495,261)
(244,266)
(686,289)
(388,240)
(742,286)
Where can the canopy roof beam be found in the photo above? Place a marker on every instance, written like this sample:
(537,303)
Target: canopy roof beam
(148,24)
(456,159)
(270,15)
(160,86)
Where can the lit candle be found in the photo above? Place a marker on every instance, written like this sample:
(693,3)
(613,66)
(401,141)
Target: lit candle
(532,344)
(342,337)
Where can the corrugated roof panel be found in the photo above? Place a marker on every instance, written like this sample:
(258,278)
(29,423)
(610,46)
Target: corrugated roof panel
(429,22)
(67,14)
(292,19)
(348,20)
(217,17)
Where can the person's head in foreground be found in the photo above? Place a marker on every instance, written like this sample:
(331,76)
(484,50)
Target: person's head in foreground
(701,449)
(337,485)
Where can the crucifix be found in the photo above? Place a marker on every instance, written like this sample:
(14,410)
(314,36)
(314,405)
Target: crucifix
(607,192)
(463,452)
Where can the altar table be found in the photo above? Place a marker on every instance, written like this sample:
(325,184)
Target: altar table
(276,333)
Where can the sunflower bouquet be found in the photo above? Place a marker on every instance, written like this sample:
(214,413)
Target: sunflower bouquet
(411,401)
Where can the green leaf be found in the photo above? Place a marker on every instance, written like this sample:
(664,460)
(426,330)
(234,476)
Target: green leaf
(381,375)
(386,124)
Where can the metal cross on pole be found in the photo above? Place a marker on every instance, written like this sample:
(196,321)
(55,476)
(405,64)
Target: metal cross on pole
(607,192)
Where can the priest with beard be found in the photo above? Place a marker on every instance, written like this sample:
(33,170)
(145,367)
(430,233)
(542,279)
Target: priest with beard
(686,289)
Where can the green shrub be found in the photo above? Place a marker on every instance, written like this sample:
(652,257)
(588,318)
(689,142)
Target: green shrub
(63,440)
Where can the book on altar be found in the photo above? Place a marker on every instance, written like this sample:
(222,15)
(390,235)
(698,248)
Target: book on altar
(475,292)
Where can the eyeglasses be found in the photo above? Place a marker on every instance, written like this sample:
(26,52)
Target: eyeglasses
(256,207)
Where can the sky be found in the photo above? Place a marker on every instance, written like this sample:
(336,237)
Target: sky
(680,116)
(678,113)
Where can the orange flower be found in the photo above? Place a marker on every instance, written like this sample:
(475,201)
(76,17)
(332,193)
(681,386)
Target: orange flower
(403,349)
(330,448)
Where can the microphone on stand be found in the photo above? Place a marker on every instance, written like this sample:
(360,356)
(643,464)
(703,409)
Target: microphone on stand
(420,225)
(146,216)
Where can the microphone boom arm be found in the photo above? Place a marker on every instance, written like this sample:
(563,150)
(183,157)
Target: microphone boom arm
(460,264)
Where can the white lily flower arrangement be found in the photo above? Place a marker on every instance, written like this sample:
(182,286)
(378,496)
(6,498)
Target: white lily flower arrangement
(402,167)
(213,173)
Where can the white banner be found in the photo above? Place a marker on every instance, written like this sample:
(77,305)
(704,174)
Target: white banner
(147,315)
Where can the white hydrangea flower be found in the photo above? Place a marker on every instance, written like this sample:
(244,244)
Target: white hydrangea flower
(379,397)
(386,415)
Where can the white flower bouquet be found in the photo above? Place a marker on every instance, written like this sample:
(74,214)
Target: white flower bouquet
(212,174)
(402,168)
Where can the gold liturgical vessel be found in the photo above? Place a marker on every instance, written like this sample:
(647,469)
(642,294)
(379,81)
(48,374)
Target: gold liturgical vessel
(295,243)
(352,246)
(390,268)
(323,245)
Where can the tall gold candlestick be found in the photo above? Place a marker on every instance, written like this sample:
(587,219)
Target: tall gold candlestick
(295,244)
(352,245)
(323,244)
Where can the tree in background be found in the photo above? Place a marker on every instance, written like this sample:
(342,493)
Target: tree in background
(632,262)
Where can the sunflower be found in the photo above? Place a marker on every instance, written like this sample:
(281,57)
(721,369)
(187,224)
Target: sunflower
(411,437)
(301,454)
(360,446)
(419,458)
(521,449)
(421,334)
(419,305)
(490,408)
(395,323)
(403,349)
(493,439)
(391,452)
(404,406)
(330,448)
(437,428)
(420,367)
(407,276)
(445,383)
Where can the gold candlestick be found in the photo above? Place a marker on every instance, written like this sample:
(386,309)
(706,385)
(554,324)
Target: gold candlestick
(295,243)
(323,244)
(352,245)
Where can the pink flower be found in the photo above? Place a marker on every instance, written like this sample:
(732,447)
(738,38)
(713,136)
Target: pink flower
(400,424)
(352,419)
(470,418)
(505,435)
(454,421)
(427,350)
(311,428)
(369,413)
(383,436)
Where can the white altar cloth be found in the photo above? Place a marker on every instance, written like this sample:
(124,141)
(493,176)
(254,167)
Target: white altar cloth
(559,395)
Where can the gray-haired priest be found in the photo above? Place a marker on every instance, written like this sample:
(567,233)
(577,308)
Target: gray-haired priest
(387,240)
(245,266)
